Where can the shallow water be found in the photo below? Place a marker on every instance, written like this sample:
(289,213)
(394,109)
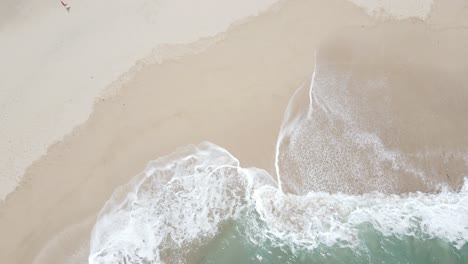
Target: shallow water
(232,246)
(181,203)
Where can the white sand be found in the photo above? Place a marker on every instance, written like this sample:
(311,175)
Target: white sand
(55,64)
(58,63)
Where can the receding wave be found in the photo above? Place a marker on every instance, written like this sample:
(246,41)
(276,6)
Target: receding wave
(346,133)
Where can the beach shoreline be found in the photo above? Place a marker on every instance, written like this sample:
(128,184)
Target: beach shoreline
(231,89)
(77,55)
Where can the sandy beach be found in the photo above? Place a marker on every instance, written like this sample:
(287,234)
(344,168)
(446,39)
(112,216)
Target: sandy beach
(68,142)
(77,55)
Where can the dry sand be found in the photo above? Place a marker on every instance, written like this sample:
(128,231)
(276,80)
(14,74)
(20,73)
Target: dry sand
(60,62)
(233,94)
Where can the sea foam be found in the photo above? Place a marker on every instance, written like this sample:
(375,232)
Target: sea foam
(182,200)
(179,199)
(343,133)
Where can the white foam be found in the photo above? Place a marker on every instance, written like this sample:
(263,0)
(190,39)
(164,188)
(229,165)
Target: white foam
(55,64)
(183,201)
(194,190)
(287,126)
(320,218)
(327,141)
(339,140)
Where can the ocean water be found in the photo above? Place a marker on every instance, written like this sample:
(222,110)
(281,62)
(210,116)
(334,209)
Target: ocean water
(341,192)
(232,246)
(199,200)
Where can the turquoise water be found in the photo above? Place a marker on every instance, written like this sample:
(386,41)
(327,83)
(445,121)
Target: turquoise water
(198,205)
(233,246)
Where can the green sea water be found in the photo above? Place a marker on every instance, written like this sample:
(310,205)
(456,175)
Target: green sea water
(234,246)
(225,214)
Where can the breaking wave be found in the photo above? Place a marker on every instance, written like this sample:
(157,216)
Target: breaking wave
(180,201)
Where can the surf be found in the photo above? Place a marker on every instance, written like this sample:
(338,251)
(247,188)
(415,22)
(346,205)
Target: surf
(340,188)
(181,201)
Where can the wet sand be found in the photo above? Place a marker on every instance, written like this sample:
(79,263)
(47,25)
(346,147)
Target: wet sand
(232,94)
(384,117)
